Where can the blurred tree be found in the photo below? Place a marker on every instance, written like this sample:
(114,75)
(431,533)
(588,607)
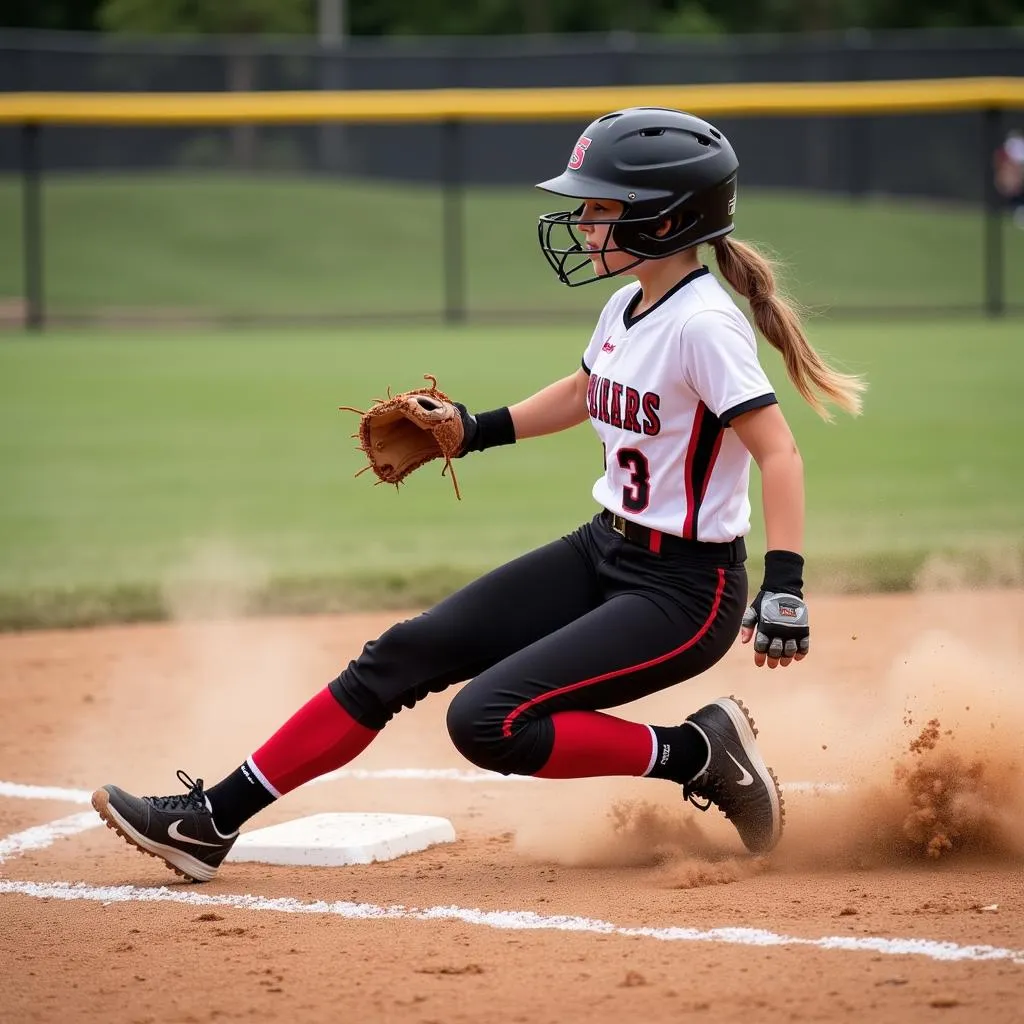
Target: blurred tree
(481,17)
(65,15)
(236,18)
(689,18)
(230,17)
(944,13)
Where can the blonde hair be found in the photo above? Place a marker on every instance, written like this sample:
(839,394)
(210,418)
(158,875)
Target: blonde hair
(752,275)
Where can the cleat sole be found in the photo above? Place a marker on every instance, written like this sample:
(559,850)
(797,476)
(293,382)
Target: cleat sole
(755,757)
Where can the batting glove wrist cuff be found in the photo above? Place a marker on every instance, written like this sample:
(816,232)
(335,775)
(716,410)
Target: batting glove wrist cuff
(783,573)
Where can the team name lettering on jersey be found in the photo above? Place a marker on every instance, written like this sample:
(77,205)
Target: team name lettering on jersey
(621,406)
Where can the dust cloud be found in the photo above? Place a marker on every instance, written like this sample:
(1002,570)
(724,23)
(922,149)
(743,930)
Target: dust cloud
(941,776)
(926,763)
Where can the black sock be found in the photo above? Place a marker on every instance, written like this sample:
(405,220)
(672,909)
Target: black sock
(682,753)
(235,799)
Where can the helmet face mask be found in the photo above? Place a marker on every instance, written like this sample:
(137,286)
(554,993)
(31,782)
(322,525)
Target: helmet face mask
(562,257)
(661,165)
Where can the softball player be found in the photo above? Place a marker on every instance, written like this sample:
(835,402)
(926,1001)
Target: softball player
(648,593)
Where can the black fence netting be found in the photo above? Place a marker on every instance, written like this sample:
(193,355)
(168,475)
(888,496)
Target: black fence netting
(868,213)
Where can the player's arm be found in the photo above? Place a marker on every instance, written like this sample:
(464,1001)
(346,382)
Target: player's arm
(559,406)
(777,618)
(766,435)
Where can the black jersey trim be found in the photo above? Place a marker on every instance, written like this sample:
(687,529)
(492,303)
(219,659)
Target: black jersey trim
(583,363)
(701,455)
(748,406)
(627,314)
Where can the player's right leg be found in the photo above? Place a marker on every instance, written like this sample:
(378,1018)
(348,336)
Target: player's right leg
(463,635)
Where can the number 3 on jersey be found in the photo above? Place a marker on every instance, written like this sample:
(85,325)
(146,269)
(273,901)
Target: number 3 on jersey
(636,495)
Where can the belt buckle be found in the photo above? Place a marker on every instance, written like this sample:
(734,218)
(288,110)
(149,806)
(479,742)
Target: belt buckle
(619,525)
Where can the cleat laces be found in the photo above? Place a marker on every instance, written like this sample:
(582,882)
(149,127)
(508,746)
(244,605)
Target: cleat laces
(193,800)
(711,791)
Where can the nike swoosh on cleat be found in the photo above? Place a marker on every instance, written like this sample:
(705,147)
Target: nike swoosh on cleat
(744,780)
(172,831)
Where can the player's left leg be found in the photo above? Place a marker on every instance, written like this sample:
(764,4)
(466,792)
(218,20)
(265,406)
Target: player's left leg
(537,712)
(461,636)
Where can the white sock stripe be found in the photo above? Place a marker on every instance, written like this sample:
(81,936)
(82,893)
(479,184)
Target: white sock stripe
(263,780)
(654,750)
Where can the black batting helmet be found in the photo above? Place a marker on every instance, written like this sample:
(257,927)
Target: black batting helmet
(661,164)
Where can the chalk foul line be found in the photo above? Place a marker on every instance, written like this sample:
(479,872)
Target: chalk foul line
(516,920)
(22,791)
(41,836)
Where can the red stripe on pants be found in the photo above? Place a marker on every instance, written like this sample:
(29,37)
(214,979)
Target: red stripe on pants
(506,728)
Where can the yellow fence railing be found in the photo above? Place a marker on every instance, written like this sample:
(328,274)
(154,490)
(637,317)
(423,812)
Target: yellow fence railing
(32,112)
(438,105)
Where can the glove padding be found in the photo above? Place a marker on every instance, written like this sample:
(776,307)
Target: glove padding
(405,431)
(781,626)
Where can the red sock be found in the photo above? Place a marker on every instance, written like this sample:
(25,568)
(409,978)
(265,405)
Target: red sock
(318,738)
(588,743)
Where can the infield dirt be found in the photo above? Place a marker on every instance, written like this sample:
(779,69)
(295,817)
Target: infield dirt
(912,703)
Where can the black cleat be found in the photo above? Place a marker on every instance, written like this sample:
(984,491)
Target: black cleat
(177,829)
(735,778)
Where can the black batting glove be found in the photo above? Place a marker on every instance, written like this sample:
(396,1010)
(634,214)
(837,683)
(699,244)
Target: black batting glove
(776,619)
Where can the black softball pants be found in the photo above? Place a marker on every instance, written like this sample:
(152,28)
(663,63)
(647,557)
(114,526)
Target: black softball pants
(587,622)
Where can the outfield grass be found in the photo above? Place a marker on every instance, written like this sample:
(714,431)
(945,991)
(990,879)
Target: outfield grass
(134,466)
(216,244)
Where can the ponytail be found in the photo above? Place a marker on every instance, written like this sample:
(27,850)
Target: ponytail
(751,275)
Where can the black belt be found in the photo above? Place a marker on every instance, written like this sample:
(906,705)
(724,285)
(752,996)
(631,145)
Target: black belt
(724,553)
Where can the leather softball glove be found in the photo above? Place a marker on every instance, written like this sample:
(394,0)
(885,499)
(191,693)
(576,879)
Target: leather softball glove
(403,432)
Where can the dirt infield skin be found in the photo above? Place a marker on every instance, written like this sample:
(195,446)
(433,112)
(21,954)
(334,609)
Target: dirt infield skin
(924,843)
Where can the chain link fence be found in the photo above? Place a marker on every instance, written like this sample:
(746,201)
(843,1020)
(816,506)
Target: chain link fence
(872,214)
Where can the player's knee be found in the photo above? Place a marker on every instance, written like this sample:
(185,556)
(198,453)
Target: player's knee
(475,733)
(478,729)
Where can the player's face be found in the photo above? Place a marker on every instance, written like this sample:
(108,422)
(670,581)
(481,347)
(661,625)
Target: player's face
(595,236)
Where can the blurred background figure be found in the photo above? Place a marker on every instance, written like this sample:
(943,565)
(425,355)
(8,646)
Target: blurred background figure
(1009,171)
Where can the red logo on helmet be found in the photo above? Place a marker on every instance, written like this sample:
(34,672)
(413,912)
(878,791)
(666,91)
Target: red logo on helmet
(576,160)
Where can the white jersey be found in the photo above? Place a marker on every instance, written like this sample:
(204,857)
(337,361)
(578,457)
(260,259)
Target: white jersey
(664,387)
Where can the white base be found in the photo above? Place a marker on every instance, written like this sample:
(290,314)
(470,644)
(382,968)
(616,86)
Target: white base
(333,840)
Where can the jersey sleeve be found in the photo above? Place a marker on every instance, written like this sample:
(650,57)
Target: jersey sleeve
(719,357)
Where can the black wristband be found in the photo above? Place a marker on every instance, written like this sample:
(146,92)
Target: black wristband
(784,573)
(488,429)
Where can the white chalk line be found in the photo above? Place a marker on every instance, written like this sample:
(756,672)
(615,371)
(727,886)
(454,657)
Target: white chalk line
(516,920)
(41,836)
(23,791)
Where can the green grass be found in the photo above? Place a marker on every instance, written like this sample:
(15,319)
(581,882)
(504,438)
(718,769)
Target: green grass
(215,244)
(137,470)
